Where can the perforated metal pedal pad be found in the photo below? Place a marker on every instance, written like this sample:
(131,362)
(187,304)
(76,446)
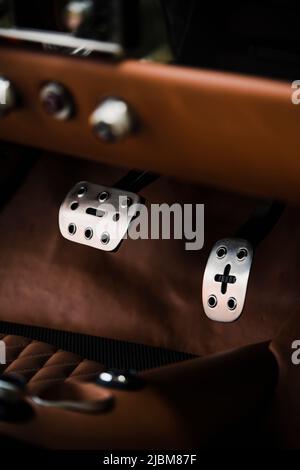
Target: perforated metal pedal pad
(226,278)
(97,216)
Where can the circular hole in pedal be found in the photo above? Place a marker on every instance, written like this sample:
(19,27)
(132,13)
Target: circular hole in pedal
(88,233)
(81,191)
(242,254)
(221,252)
(232,303)
(105,238)
(103,196)
(72,229)
(116,217)
(212,301)
(74,206)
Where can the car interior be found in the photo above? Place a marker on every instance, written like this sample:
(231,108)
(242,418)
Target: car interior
(162,342)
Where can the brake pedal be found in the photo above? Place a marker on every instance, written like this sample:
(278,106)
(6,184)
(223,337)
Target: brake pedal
(97,216)
(226,278)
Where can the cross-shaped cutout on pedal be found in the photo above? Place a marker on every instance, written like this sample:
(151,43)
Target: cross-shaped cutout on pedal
(225,278)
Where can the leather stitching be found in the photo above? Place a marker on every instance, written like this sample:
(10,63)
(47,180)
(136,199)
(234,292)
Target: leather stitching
(63,379)
(45,366)
(29,357)
(23,345)
(18,346)
(84,375)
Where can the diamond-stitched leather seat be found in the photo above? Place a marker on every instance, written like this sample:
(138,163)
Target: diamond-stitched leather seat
(42,364)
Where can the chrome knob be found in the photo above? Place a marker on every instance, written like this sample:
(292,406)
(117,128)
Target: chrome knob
(7,96)
(112,120)
(77,12)
(120,379)
(56,101)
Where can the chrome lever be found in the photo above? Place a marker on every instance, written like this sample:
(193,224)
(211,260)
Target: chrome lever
(48,38)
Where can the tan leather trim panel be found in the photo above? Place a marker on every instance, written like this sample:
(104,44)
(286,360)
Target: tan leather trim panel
(188,405)
(222,129)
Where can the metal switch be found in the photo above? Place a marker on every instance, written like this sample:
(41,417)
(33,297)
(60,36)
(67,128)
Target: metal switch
(112,120)
(7,96)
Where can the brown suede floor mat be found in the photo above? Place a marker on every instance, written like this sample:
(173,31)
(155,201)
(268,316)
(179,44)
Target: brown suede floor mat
(150,290)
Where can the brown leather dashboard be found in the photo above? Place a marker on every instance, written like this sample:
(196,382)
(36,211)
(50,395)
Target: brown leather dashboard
(222,129)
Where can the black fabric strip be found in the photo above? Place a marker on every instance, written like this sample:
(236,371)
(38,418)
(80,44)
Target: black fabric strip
(111,353)
(261,222)
(136,180)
